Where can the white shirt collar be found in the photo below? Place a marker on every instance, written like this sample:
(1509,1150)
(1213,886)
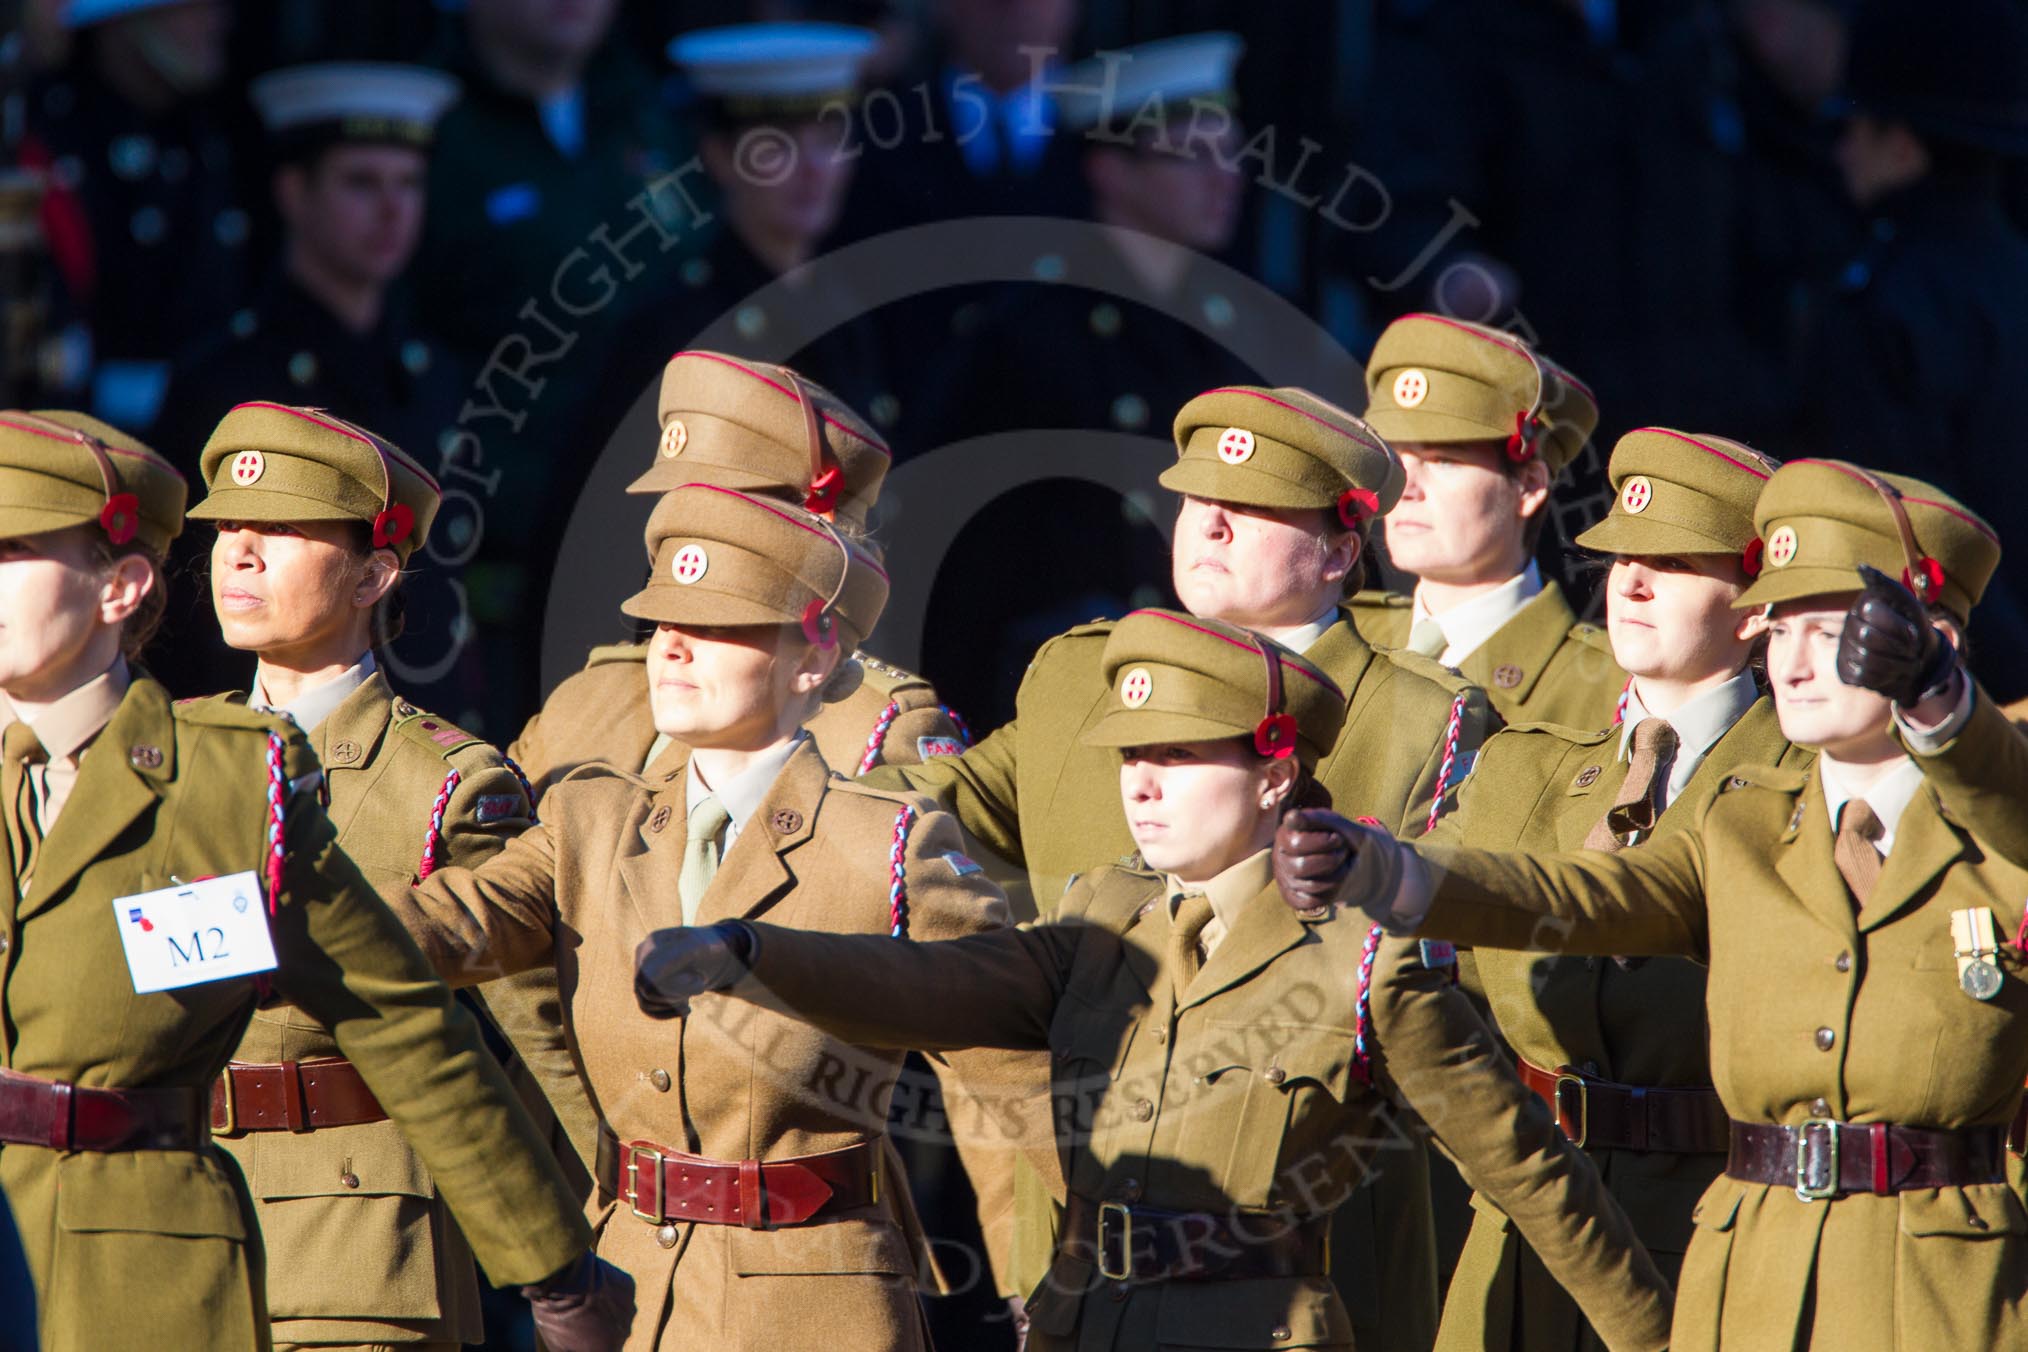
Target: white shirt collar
(1468,624)
(743,794)
(1303,637)
(1698,724)
(1889,796)
(319,702)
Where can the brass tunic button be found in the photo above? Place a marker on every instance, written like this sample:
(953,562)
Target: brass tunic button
(1144,1111)
(660,818)
(1506,676)
(3,944)
(1161,1035)
(1826,1039)
(1820,1108)
(1130,1191)
(1119,1290)
(1587,777)
(660,1079)
(146,757)
(1275,1075)
(1976,1222)
(1280,1333)
(344,753)
(1844,962)
(665,1235)
(349,1179)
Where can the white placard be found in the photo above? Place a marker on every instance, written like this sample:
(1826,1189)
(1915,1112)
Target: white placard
(195,932)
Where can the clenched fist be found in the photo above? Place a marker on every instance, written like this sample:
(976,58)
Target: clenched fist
(1889,645)
(672,965)
(1315,850)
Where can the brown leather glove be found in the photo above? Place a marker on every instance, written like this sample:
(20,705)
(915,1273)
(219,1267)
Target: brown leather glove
(1889,645)
(1314,853)
(672,965)
(587,1307)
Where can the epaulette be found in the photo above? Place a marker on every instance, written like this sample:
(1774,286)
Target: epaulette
(1591,636)
(1779,778)
(617,652)
(440,735)
(221,711)
(1426,667)
(1564,732)
(886,678)
(894,797)
(1100,629)
(604,770)
(1373,598)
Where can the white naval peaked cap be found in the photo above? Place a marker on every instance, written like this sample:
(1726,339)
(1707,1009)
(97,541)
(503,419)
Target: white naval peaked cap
(1113,88)
(357,100)
(85,13)
(764,61)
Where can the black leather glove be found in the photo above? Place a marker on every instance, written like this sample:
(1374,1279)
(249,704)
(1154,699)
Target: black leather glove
(1314,853)
(587,1307)
(1889,645)
(672,965)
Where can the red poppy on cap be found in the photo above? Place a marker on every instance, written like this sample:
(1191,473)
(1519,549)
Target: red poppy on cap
(1750,560)
(1275,736)
(817,625)
(1528,431)
(1356,504)
(1928,582)
(121,516)
(392,526)
(822,499)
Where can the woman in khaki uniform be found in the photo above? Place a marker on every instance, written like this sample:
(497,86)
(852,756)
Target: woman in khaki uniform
(742,1163)
(766,430)
(315,518)
(139,1233)
(1607,1042)
(1484,424)
(1868,1002)
(1220,1085)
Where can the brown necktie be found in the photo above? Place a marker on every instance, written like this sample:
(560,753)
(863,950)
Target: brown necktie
(1186,932)
(1857,848)
(1639,801)
(19,749)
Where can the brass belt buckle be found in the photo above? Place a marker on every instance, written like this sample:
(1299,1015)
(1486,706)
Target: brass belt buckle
(635,1154)
(1817,1168)
(231,1106)
(1582,1095)
(1123,1236)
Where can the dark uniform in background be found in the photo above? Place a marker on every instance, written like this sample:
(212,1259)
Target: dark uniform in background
(146,220)
(1919,352)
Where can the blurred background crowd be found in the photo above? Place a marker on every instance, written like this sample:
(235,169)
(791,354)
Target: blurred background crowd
(1668,196)
(1763,219)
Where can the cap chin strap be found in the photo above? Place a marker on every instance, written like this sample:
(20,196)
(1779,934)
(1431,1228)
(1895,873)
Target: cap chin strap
(820,618)
(1525,442)
(827,482)
(1924,575)
(1275,734)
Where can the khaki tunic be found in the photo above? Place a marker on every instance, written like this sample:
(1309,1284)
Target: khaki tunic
(602,714)
(1035,795)
(1817,1012)
(149,1249)
(1247,1090)
(1542,666)
(597,876)
(1541,788)
(379,1260)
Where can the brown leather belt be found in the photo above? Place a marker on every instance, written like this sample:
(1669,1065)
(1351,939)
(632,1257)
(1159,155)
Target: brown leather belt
(1129,1243)
(291,1096)
(1823,1159)
(668,1185)
(1603,1114)
(68,1117)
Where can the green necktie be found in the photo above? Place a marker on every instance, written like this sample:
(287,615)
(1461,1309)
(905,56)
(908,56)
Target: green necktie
(1426,637)
(19,749)
(1186,935)
(700,853)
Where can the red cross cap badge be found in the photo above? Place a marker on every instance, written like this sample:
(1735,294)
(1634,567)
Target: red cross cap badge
(1235,447)
(674,438)
(1636,495)
(1135,687)
(1411,387)
(1781,547)
(247,468)
(689,564)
